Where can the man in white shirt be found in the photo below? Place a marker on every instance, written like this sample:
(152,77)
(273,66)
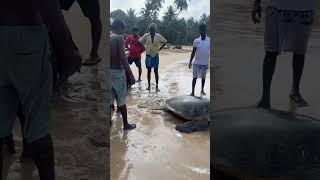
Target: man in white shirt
(201,52)
(288,24)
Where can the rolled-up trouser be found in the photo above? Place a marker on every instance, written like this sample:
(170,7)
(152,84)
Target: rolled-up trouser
(25,77)
(118,87)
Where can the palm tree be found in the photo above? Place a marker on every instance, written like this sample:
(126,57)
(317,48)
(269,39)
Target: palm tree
(181,4)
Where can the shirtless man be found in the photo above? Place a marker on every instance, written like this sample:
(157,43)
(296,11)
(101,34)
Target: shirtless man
(25,72)
(121,73)
(288,24)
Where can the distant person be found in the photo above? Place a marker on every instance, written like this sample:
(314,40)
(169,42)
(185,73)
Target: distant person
(26,74)
(153,43)
(91,10)
(119,68)
(288,24)
(201,56)
(135,48)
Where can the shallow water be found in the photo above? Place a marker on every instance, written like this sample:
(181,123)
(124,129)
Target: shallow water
(155,150)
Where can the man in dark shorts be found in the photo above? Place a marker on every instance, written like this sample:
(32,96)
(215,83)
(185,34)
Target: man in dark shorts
(121,73)
(288,25)
(26,76)
(135,48)
(91,10)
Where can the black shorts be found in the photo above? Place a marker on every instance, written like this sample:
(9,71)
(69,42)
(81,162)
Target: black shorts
(137,61)
(90,8)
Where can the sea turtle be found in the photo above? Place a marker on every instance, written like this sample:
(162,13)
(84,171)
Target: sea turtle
(251,142)
(193,109)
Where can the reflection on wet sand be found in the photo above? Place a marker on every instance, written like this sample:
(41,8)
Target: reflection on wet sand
(239,57)
(155,150)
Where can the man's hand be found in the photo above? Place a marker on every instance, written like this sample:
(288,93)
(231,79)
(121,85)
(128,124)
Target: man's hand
(130,78)
(256,10)
(190,65)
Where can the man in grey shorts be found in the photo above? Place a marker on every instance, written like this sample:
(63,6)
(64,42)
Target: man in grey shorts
(120,72)
(201,54)
(288,25)
(26,76)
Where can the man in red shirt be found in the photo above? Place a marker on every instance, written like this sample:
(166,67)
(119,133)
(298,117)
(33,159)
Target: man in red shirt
(135,48)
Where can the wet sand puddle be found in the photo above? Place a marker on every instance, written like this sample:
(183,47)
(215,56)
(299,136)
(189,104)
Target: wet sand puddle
(155,150)
(78,132)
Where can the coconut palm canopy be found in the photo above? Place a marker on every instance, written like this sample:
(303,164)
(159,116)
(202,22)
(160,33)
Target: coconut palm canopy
(171,24)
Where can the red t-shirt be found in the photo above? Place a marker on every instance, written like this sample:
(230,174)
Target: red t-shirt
(136,48)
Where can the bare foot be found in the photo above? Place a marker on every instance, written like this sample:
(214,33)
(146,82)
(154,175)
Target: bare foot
(129,127)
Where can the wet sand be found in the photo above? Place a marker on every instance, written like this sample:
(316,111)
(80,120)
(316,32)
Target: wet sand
(78,121)
(155,150)
(239,57)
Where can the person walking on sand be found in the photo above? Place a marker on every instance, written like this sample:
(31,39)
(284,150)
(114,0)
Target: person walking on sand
(119,68)
(91,10)
(288,25)
(201,54)
(135,48)
(26,74)
(153,43)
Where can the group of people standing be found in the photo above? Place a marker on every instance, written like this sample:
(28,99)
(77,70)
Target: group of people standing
(152,43)
(31,32)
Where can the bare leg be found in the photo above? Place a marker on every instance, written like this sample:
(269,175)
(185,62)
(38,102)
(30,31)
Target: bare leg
(96,31)
(140,72)
(43,156)
(149,77)
(194,81)
(297,65)
(156,74)
(202,86)
(269,65)
(124,114)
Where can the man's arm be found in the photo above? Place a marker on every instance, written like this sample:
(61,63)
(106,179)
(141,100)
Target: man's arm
(124,61)
(192,56)
(127,42)
(143,39)
(162,40)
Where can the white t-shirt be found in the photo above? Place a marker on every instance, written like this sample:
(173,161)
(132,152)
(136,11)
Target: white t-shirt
(294,5)
(202,56)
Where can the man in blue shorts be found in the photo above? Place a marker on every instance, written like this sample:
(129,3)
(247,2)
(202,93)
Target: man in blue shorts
(153,43)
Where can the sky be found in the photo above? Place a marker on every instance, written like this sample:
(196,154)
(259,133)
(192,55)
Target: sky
(195,9)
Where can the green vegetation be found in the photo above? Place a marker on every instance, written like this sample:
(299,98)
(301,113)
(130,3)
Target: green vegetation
(178,31)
